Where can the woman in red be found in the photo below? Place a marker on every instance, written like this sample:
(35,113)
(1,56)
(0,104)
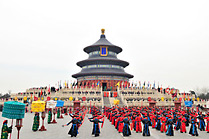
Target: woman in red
(120,125)
(163,126)
(138,125)
(153,120)
(207,120)
(183,125)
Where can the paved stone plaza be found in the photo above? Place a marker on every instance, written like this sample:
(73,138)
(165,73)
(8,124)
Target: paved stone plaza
(56,131)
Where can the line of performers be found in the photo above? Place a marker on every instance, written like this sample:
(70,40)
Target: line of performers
(78,119)
(126,119)
(165,120)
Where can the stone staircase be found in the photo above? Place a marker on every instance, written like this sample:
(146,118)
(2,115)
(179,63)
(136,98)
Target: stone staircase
(106,101)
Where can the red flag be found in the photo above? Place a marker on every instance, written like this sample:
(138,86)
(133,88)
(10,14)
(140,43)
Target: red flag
(167,90)
(49,89)
(41,93)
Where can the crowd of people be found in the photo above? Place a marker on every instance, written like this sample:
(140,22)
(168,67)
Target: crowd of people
(164,120)
(130,119)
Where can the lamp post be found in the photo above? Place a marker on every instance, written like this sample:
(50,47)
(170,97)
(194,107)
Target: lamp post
(43,115)
(18,126)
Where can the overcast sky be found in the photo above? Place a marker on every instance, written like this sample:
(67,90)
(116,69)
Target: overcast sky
(164,41)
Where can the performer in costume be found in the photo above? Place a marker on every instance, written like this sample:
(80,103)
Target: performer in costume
(201,122)
(169,123)
(187,119)
(163,122)
(58,113)
(74,129)
(193,128)
(5,130)
(178,123)
(133,117)
(138,125)
(96,130)
(49,116)
(120,124)
(183,124)
(126,129)
(146,123)
(150,123)
(207,120)
(36,122)
(158,125)
(153,120)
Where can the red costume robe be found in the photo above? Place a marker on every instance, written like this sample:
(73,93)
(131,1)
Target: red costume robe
(163,126)
(207,121)
(183,125)
(138,124)
(153,117)
(120,126)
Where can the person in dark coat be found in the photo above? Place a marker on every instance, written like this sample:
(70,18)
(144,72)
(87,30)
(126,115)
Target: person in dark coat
(178,123)
(193,128)
(96,130)
(169,124)
(201,122)
(5,130)
(146,123)
(187,119)
(126,129)
(158,125)
(74,129)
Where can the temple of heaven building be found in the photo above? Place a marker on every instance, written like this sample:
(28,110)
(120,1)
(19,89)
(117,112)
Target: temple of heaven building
(102,68)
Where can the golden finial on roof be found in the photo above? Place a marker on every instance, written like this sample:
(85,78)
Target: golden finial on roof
(103,30)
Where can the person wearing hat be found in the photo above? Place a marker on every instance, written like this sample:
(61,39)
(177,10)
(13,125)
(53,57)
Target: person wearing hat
(96,130)
(201,122)
(126,129)
(138,125)
(193,128)
(178,123)
(74,128)
(146,123)
(153,120)
(169,124)
(5,130)
(49,116)
(207,120)
(58,113)
(183,125)
(36,122)
(158,125)
(119,126)
(163,122)
(187,119)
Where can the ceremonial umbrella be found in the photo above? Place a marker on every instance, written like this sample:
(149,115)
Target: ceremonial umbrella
(39,106)
(60,103)
(52,104)
(14,110)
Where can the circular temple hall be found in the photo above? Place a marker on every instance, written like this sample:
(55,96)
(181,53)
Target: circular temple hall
(102,68)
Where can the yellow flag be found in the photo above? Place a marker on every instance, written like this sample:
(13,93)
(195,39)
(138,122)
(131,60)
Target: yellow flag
(65,84)
(118,84)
